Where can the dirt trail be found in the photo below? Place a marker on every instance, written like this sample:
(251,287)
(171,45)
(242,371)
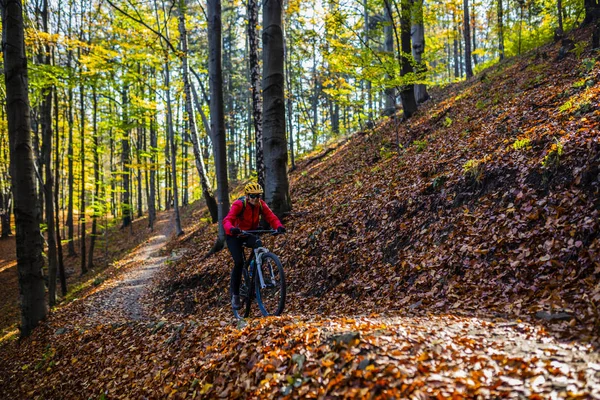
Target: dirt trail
(122,298)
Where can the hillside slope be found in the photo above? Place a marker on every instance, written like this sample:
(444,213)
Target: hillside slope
(490,204)
(444,257)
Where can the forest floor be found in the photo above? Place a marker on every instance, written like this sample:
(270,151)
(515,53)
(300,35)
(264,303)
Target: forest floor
(454,255)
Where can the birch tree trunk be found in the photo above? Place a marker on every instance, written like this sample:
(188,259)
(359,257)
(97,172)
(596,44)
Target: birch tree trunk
(277,192)
(27,217)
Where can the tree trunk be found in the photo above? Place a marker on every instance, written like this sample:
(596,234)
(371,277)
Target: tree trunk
(500,31)
(290,104)
(390,92)
(367,83)
(153,161)
(592,16)
(27,218)
(467,37)
(5,210)
(418,48)
(46,156)
(70,221)
(61,264)
(171,134)
(217,120)
(474,34)
(139,173)
(96,176)
(407,92)
(315,101)
(207,191)
(125,165)
(560,29)
(82,218)
(256,90)
(455,46)
(277,192)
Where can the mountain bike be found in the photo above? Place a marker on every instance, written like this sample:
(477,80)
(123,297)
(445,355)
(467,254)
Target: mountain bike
(262,278)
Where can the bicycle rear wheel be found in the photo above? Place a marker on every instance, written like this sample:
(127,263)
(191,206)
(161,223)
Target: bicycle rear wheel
(271,297)
(245,296)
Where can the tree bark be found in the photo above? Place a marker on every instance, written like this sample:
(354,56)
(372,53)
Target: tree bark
(467,37)
(207,191)
(277,192)
(418,48)
(560,18)
(153,161)
(5,210)
(96,176)
(256,90)
(390,92)
(173,148)
(125,165)
(61,264)
(82,215)
(500,30)
(70,220)
(27,217)
(217,119)
(46,155)
(407,92)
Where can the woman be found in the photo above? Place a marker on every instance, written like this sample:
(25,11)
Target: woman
(245,215)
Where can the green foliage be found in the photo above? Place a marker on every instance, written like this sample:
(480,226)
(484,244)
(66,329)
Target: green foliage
(579,48)
(420,145)
(552,158)
(448,122)
(474,169)
(98,281)
(480,105)
(588,64)
(566,106)
(439,181)
(522,144)
(583,108)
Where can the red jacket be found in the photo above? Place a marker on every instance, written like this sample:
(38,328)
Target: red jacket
(250,218)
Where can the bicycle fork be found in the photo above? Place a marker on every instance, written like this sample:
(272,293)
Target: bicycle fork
(258,252)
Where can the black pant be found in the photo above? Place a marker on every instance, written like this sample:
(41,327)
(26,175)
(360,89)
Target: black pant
(236,245)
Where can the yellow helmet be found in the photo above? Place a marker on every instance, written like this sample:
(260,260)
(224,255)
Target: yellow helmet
(253,188)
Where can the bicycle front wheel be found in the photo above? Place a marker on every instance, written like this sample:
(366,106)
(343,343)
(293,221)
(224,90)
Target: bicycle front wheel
(270,293)
(245,296)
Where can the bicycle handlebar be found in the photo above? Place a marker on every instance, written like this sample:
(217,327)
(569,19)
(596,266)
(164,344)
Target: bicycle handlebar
(261,232)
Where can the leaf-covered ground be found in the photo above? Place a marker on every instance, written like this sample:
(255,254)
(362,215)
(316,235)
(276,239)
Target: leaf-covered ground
(453,256)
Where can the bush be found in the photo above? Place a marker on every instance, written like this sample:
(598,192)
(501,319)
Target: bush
(522,144)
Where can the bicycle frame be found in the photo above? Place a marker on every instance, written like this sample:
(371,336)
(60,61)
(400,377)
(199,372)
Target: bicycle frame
(258,252)
(257,281)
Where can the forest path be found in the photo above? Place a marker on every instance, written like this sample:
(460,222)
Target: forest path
(121,298)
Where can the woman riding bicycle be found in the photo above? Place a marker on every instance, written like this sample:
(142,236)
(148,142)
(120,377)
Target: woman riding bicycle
(245,215)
